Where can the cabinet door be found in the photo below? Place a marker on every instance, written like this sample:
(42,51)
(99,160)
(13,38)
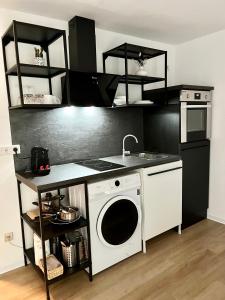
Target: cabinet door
(162,201)
(195,184)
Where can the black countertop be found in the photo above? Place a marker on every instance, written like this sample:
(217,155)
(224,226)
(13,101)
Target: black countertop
(72,173)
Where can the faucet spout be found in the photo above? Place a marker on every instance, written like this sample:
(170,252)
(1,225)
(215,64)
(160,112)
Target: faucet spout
(124,139)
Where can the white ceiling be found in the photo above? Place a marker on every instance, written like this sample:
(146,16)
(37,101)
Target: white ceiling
(171,21)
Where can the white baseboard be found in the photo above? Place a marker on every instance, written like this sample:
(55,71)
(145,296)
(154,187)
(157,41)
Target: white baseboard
(216,219)
(8,268)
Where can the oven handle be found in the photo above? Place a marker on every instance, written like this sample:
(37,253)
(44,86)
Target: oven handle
(197,106)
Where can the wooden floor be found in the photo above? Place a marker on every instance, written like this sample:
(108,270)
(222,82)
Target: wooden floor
(190,266)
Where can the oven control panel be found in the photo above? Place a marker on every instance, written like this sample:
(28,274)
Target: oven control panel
(201,96)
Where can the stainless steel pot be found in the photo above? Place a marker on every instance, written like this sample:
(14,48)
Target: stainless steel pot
(68,213)
(50,203)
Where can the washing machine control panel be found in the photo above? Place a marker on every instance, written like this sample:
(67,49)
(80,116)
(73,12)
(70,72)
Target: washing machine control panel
(115,184)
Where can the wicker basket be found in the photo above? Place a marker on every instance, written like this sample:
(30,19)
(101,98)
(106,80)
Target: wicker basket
(54,267)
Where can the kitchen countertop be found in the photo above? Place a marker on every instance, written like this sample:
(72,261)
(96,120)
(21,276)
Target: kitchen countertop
(72,173)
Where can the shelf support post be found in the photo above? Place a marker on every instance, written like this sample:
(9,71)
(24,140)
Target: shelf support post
(48,65)
(88,231)
(104,59)
(6,76)
(126,74)
(21,221)
(43,248)
(166,99)
(18,63)
(67,68)
(142,90)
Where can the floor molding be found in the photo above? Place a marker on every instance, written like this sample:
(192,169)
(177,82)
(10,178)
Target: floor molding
(11,267)
(216,219)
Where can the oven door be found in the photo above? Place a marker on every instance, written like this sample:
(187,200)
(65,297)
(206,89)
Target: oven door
(195,122)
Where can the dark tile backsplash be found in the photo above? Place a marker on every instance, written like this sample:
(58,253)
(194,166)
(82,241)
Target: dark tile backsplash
(75,133)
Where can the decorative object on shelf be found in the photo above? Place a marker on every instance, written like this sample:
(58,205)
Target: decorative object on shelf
(39,59)
(120,100)
(141,61)
(40,99)
(143,102)
(33,214)
(83,246)
(54,267)
(38,249)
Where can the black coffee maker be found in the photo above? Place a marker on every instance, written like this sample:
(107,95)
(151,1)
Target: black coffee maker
(40,164)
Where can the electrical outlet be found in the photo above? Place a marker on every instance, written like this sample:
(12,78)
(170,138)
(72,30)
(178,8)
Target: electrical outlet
(8,236)
(6,150)
(14,147)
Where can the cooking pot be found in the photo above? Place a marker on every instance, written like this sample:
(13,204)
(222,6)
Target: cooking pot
(50,203)
(68,213)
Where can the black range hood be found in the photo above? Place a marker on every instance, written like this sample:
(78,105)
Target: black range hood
(87,86)
(92,89)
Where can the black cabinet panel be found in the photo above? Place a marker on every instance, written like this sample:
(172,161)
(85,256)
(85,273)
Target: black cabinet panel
(162,129)
(195,182)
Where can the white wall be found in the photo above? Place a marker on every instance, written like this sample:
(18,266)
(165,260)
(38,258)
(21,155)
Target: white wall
(10,256)
(202,62)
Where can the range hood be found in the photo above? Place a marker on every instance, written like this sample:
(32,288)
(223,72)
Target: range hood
(87,86)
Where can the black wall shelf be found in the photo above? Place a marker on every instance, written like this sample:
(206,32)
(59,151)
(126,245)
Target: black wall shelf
(28,70)
(50,230)
(31,106)
(31,34)
(137,79)
(130,51)
(19,32)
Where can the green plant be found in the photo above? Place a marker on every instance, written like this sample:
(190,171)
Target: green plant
(140,60)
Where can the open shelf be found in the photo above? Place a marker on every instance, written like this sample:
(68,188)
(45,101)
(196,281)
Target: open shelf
(136,105)
(21,32)
(37,106)
(35,71)
(133,51)
(136,52)
(67,271)
(51,230)
(137,79)
(31,34)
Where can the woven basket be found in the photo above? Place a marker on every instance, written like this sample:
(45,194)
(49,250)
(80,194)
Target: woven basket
(54,272)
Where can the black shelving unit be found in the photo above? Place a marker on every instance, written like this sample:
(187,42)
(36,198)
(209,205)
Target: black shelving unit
(19,32)
(130,51)
(46,230)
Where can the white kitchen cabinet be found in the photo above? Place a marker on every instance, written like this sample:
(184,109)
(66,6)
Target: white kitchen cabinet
(161,199)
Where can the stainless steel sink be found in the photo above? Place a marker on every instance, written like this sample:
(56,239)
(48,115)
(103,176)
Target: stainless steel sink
(150,156)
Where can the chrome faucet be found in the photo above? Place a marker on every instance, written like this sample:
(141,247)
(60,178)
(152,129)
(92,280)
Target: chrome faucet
(126,136)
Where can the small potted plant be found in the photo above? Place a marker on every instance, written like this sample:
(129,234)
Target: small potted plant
(141,62)
(39,59)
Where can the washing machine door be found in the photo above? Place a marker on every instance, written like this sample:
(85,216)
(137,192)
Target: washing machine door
(117,221)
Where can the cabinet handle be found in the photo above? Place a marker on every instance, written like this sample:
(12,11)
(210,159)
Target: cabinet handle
(165,171)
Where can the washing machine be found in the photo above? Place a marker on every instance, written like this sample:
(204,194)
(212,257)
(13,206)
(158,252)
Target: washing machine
(115,220)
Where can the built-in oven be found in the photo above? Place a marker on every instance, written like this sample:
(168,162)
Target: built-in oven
(195,115)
